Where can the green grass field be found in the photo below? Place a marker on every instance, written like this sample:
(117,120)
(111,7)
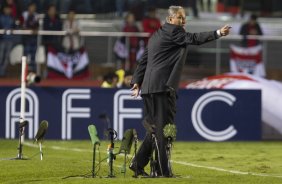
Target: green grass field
(193,162)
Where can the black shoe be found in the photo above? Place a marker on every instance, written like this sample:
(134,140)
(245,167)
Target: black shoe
(140,172)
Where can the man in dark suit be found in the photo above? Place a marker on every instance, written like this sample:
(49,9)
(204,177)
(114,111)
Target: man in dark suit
(157,76)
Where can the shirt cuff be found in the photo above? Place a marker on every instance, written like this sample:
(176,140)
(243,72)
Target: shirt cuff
(218,33)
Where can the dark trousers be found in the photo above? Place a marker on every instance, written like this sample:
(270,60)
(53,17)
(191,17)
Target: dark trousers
(159,110)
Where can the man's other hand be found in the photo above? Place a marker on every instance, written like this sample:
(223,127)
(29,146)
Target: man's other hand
(135,90)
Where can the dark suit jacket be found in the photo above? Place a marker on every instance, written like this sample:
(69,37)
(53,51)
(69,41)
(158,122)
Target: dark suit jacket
(162,62)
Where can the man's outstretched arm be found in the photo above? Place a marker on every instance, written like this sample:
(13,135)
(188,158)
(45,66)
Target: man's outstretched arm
(181,37)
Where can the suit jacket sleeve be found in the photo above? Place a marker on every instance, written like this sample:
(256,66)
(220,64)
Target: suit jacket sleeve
(140,69)
(180,37)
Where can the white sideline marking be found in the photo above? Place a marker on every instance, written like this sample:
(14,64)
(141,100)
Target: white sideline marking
(59,148)
(31,145)
(173,161)
(225,170)
(70,149)
(64,149)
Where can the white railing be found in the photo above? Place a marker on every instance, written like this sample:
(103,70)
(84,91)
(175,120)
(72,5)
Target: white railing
(81,33)
(109,36)
(126,34)
(218,50)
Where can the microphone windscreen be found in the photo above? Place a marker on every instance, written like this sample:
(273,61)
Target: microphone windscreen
(134,133)
(93,134)
(23,124)
(42,130)
(126,142)
(170,131)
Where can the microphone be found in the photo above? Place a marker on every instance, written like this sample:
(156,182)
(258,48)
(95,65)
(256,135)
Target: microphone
(33,78)
(126,141)
(170,132)
(23,124)
(41,131)
(93,134)
(134,134)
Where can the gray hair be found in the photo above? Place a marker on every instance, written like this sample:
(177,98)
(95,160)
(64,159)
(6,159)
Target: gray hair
(172,10)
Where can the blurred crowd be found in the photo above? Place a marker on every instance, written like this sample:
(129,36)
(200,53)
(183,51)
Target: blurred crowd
(63,6)
(25,14)
(149,24)
(13,17)
(117,79)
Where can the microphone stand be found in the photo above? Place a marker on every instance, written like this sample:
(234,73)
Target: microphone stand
(40,149)
(111,154)
(112,134)
(168,152)
(153,162)
(94,159)
(155,149)
(20,148)
(128,137)
(95,141)
(22,125)
(169,132)
(135,152)
(123,168)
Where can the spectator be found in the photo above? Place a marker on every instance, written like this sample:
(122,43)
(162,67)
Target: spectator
(127,79)
(151,23)
(52,22)
(110,80)
(124,78)
(30,22)
(251,27)
(71,42)
(120,73)
(130,26)
(38,3)
(7,22)
(15,8)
